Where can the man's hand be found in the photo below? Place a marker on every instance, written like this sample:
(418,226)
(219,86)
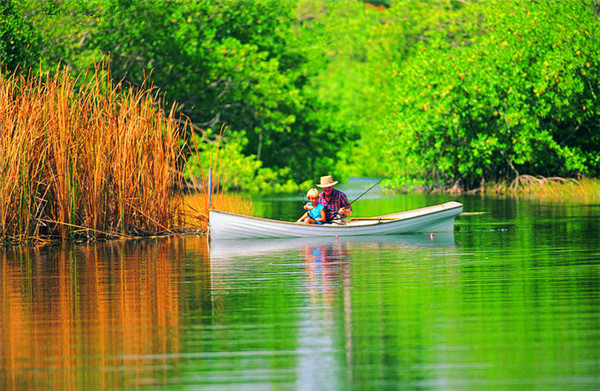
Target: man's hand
(345,212)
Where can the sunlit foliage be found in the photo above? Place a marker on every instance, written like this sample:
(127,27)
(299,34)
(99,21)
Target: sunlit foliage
(505,88)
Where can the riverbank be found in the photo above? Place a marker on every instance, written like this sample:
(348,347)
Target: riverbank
(557,189)
(82,159)
(85,159)
(542,188)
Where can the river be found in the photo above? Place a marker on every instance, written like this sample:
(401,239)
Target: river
(511,299)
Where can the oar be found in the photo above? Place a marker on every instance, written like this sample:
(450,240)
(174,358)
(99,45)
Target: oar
(370,188)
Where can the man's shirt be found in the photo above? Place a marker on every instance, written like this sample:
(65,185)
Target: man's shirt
(337,201)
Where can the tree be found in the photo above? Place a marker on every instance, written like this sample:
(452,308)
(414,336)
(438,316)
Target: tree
(503,89)
(223,61)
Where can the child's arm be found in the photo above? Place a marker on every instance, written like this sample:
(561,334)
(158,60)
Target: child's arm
(323,217)
(304,216)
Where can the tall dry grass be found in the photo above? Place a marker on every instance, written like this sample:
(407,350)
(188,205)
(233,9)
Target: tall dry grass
(208,194)
(91,160)
(195,207)
(553,188)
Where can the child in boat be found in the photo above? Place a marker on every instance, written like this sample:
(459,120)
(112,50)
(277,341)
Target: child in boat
(315,211)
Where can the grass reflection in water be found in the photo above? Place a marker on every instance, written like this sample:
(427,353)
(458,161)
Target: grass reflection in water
(92,315)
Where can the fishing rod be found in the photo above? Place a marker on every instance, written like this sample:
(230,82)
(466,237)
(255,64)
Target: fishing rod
(370,188)
(302,196)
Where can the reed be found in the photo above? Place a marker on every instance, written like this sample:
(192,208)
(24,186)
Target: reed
(552,188)
(98,159)
(209,195)
(196,207)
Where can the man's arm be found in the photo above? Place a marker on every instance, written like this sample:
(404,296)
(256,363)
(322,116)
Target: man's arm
(346,208)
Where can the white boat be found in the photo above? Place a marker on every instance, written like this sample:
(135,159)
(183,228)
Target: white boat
(438,218)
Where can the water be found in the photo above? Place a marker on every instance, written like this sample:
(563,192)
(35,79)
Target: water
(511,300)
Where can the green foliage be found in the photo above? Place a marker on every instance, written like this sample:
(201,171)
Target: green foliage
(359,47)
(343,45)
(438,92)
(223,61)
(19,39)
(444,92)
(232,169)
(505,88)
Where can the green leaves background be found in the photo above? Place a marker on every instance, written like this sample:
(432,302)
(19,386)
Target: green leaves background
(437,92)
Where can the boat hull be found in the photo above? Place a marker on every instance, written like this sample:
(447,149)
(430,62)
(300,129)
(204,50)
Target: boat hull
(439,218)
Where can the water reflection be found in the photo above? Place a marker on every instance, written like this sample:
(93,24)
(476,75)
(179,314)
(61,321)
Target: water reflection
(223,249)
(327,268)
(501,303)
(91,314)
(316,283)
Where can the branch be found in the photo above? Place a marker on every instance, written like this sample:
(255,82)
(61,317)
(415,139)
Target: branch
(562,143)
(509,163)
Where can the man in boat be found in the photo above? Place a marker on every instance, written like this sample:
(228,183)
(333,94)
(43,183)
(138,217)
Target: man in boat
(336,204)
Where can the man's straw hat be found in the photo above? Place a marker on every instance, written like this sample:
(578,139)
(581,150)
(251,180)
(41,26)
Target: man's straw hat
(327,181)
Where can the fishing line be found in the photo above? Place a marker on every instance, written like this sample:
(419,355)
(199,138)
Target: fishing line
(370,188)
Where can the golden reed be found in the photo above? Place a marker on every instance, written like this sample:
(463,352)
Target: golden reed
(85,159)
(209,195)
(552,188)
